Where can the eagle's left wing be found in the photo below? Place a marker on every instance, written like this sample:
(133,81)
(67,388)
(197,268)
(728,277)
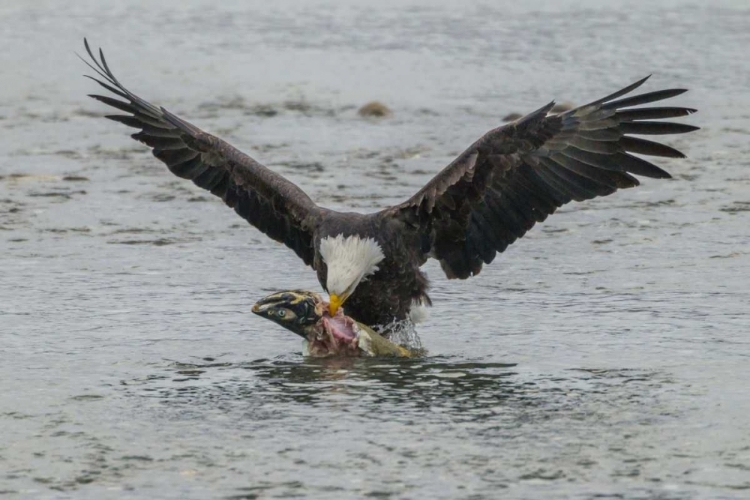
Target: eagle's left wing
(518,174)
(268,201)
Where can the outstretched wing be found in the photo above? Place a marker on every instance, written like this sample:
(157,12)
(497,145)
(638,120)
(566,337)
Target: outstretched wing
(518,174)
(267,200)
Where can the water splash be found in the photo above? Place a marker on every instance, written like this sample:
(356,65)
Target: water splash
(402,332)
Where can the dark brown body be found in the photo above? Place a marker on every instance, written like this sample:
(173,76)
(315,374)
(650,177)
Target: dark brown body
(388,294)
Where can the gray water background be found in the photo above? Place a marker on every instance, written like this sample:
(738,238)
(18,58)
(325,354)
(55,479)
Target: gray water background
(604,354)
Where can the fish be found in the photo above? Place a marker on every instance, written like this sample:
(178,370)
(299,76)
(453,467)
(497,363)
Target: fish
(308,315)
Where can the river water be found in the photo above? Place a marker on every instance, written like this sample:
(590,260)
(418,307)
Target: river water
(603,355)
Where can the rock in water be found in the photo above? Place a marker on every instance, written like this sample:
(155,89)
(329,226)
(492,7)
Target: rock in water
(374,109)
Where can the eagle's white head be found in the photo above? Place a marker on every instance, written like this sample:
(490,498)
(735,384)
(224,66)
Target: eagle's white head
(349,261)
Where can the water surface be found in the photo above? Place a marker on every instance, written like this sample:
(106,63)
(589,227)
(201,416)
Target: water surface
(605,353)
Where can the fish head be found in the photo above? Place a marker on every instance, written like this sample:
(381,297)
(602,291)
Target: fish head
(296,310)
(308,315)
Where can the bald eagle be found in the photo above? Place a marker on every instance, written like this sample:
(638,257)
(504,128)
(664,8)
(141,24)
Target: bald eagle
(489,196)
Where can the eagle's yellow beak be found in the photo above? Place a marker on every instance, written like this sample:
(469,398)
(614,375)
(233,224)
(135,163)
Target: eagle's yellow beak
(335,303)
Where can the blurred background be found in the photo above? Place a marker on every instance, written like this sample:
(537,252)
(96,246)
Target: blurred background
(604,354)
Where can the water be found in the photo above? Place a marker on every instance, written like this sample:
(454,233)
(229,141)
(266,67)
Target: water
(606,353)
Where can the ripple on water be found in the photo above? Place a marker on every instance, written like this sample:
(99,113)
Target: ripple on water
(454,416)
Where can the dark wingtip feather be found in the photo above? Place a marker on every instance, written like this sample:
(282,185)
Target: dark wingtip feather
(91,55)
(128,120)
(106,67)
(617,94)
(653,113)
(650,148)
(108,87)
(644,127)
(626,90)
(121,105)
(646,98)
(86,45)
